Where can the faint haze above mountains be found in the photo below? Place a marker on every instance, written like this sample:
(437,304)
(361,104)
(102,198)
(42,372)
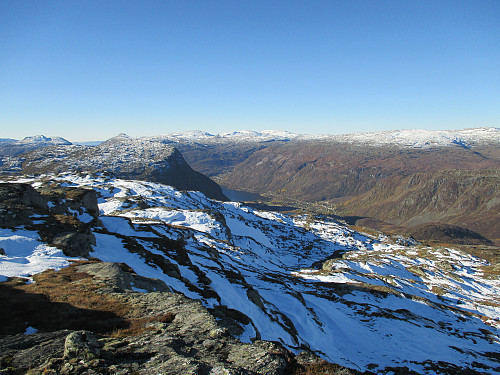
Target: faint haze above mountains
(90,70)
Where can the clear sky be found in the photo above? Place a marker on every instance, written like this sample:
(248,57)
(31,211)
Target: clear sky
(88,70)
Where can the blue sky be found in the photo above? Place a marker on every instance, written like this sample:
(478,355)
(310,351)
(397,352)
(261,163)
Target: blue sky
(88,70)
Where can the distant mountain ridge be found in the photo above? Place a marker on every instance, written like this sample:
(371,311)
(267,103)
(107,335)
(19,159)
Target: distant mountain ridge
(41,139)
(121,156)
(410,138)
(14,147)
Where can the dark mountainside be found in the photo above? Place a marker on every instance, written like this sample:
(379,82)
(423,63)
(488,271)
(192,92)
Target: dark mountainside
(121,156)
(402,186)
(317,171)
(467,198)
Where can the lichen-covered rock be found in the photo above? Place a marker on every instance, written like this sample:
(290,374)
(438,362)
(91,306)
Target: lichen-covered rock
(20,352)
(82,345)
(191,341)
(17,203)
(120,277)
(261,357)
(71,199)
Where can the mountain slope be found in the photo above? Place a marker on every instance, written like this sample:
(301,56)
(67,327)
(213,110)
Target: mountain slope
(12,147)
(320,171)
(468,198)
(360,301)
(122,156)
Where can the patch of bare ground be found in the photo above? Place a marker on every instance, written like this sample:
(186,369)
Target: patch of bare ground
(320,368)
(68,299)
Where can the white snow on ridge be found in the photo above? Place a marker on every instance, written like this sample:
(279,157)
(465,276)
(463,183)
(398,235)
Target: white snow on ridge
(410,138)
(373,301)
(418,138)
(44,140)
(26,255)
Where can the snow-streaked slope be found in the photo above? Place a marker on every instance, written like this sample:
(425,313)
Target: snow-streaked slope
(25,254)
(378,305)
(410,138)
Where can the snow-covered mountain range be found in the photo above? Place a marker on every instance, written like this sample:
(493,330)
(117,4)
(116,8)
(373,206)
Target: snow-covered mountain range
(411,138)
(408,138)
(368,302)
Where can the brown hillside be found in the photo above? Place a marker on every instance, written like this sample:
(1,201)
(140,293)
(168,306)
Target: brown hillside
(467,198)
(315,171)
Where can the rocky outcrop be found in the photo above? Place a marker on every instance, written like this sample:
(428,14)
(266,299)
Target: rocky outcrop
(65,199)
(17,203)
(190,341)
(62,216)
(120,277)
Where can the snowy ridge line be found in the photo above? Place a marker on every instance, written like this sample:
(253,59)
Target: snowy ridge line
(411,138)
(372,302)
(37,139)
(408,138)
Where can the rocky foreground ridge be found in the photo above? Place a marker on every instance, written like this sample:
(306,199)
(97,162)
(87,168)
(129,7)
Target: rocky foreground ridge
(95,317)
(371,303)
(158,332)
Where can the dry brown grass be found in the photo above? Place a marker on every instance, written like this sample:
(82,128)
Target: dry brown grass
(67,220)
(142,324)
(68,299)
(320,368)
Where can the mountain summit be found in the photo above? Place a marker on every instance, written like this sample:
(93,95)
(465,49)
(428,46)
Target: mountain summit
(121,156)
